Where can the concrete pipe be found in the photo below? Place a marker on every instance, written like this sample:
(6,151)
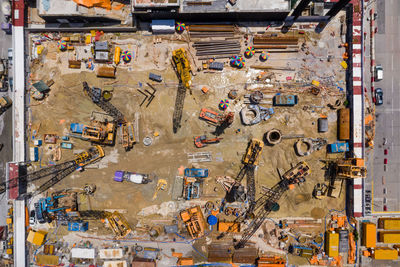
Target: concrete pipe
(304,147)
(273,137)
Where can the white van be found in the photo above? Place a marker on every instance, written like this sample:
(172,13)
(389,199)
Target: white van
(378,73)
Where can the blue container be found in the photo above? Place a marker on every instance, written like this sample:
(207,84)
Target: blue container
(76,128)
(338,147)
(212,220)
(78,226)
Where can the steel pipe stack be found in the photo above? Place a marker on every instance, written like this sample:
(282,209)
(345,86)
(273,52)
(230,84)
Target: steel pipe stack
(208,48)
(263,42)
(204,31)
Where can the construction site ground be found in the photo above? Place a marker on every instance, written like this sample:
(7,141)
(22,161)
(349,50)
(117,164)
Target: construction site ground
(167,156)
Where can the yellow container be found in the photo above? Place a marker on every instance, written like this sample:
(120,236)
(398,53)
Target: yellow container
(389,223)
(332,244)
(117,54)
(369,235)
(88,39)
(385,254)
(389,237)
(36,237)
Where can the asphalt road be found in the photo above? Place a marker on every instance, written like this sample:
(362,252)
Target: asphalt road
(6,117)
(386,178)
(5,125)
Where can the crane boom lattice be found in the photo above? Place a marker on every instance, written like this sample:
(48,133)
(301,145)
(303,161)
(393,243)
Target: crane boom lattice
(95,95)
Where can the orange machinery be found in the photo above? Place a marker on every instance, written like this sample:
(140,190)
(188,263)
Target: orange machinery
(202,141)
(194,221)
(274,261)
(352,249)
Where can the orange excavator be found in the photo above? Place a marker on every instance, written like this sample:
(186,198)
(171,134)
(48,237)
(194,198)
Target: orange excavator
(202,141)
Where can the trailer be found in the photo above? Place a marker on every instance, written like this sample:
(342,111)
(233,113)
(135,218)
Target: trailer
(338,147)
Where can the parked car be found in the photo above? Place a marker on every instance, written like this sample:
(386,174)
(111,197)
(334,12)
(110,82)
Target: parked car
(200,173)
(378,73)
(32,217)
(378,96)
(10,56)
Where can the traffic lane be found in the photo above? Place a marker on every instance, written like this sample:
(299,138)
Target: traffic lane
(6,140)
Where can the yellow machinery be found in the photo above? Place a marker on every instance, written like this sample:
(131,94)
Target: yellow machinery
(253,152)
(182,66)
(128,136)
(351,168)
(118,224)
(194,221)
(87,157)
(99,132)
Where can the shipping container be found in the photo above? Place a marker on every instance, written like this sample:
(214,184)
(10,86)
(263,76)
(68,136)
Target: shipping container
(389,223)
(285,100)
(332,244)
(343,241)
(385,254)
(34,153)
(106,71)
(338,147)
(389,237)
(344,124)
(369,235)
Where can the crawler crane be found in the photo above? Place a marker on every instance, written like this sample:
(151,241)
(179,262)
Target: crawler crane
(59,171)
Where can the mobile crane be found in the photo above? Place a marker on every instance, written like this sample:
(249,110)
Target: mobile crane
(59,171)
(182,68)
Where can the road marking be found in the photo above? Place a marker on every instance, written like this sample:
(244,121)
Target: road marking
(392,68)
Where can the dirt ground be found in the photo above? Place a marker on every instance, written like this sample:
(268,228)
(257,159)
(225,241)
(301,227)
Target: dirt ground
(66,103)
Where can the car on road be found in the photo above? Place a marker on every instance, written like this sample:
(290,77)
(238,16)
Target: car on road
(200,173)
(378,96)
(32,218)
(10,56)
(378,73)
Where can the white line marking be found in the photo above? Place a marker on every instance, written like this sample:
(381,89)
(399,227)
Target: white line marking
(392,60)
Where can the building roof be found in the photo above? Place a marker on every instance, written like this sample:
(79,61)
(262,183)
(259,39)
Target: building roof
(83,253)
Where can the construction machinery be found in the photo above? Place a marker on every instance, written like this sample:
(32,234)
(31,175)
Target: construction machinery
(351,168)
(320,191)
(118,224)
(161,185)
(194,221)
(59,171)
(128,137)
(182,68)
(191,188)
(253,152)
(269,200)
(5,103)
(274,261)
(202,141)
(216,118)
(100,132)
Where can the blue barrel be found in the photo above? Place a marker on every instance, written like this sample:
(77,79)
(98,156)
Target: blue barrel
(212,220)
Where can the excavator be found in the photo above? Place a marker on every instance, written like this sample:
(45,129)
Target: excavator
(58,171)
(202,141)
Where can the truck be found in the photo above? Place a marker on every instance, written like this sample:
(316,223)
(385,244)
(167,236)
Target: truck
(338,147)
(133,177)
(5,103)
(285,100)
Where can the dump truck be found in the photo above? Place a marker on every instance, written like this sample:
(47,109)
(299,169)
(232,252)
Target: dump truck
(5,103)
